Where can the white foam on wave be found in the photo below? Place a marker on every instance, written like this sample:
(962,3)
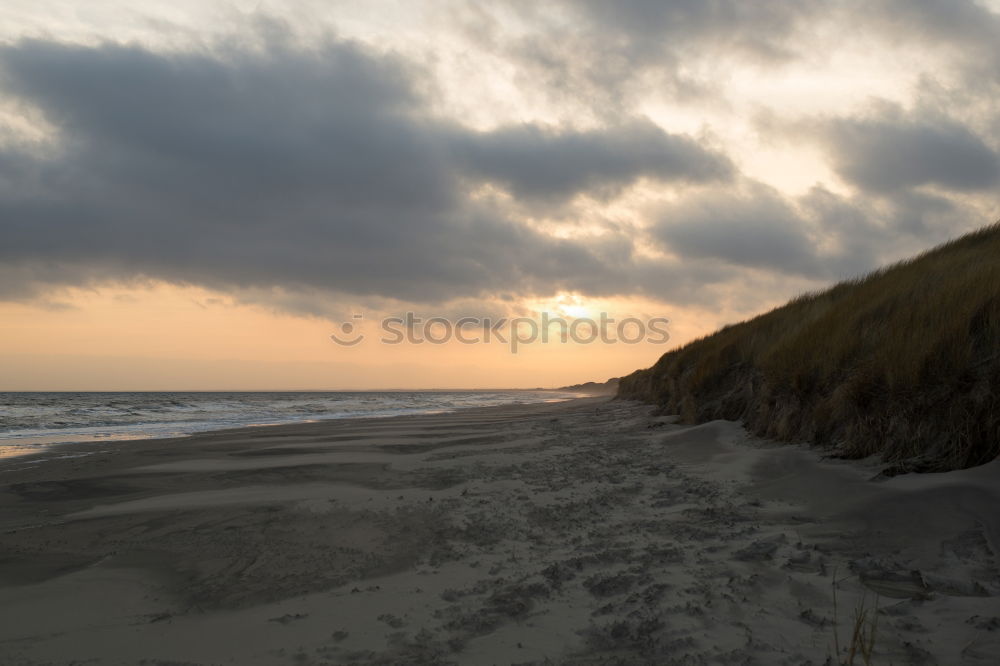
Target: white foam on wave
(30,422)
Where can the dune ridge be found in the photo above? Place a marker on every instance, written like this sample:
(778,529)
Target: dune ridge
(903,362)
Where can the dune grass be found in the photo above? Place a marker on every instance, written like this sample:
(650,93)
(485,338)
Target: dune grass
(903,362)
(864,631)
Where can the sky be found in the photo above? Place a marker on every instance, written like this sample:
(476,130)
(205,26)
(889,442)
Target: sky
(196,195)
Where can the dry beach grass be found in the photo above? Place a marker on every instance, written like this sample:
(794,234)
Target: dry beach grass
(904,363)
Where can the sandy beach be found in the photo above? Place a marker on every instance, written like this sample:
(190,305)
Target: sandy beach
(584,532)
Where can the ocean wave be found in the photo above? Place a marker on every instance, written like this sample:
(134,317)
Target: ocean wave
(33,419)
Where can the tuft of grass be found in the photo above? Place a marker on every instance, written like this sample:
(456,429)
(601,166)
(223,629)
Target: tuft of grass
(903,362)
(863,633)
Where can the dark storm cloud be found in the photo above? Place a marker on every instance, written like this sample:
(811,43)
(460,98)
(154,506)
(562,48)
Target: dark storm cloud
(892,151)
(298,169)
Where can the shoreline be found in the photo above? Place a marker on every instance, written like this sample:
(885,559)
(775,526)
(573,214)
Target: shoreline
(17,445)
(586,532)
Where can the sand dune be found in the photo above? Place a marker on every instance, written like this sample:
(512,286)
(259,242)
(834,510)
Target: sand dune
(588,532)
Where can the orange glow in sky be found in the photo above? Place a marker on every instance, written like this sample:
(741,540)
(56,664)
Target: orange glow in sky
(164,337)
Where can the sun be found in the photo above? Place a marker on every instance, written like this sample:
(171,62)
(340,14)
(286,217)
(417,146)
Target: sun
(575,311)
(567,305)
(571,305)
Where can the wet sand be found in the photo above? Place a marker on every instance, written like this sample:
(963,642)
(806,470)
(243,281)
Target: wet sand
(587,532)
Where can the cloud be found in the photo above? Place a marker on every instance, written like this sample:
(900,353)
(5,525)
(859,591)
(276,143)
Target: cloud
(969,28)
(536,162)
(892,150)
(819,235)
(300,170)
(656,26)
(756,228)
(602,57)
(310,176)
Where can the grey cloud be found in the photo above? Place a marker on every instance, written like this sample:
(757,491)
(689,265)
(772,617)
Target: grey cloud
(892,151)
(755,228)
(817,236)
(299,170)
(774,29)
(922,214)
(759,28)
(848,234)
(538,163)
(970,28)
(604,56)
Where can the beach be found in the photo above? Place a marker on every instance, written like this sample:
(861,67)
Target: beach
(592,531)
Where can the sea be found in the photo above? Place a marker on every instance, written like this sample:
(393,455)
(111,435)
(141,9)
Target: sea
(30,422)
